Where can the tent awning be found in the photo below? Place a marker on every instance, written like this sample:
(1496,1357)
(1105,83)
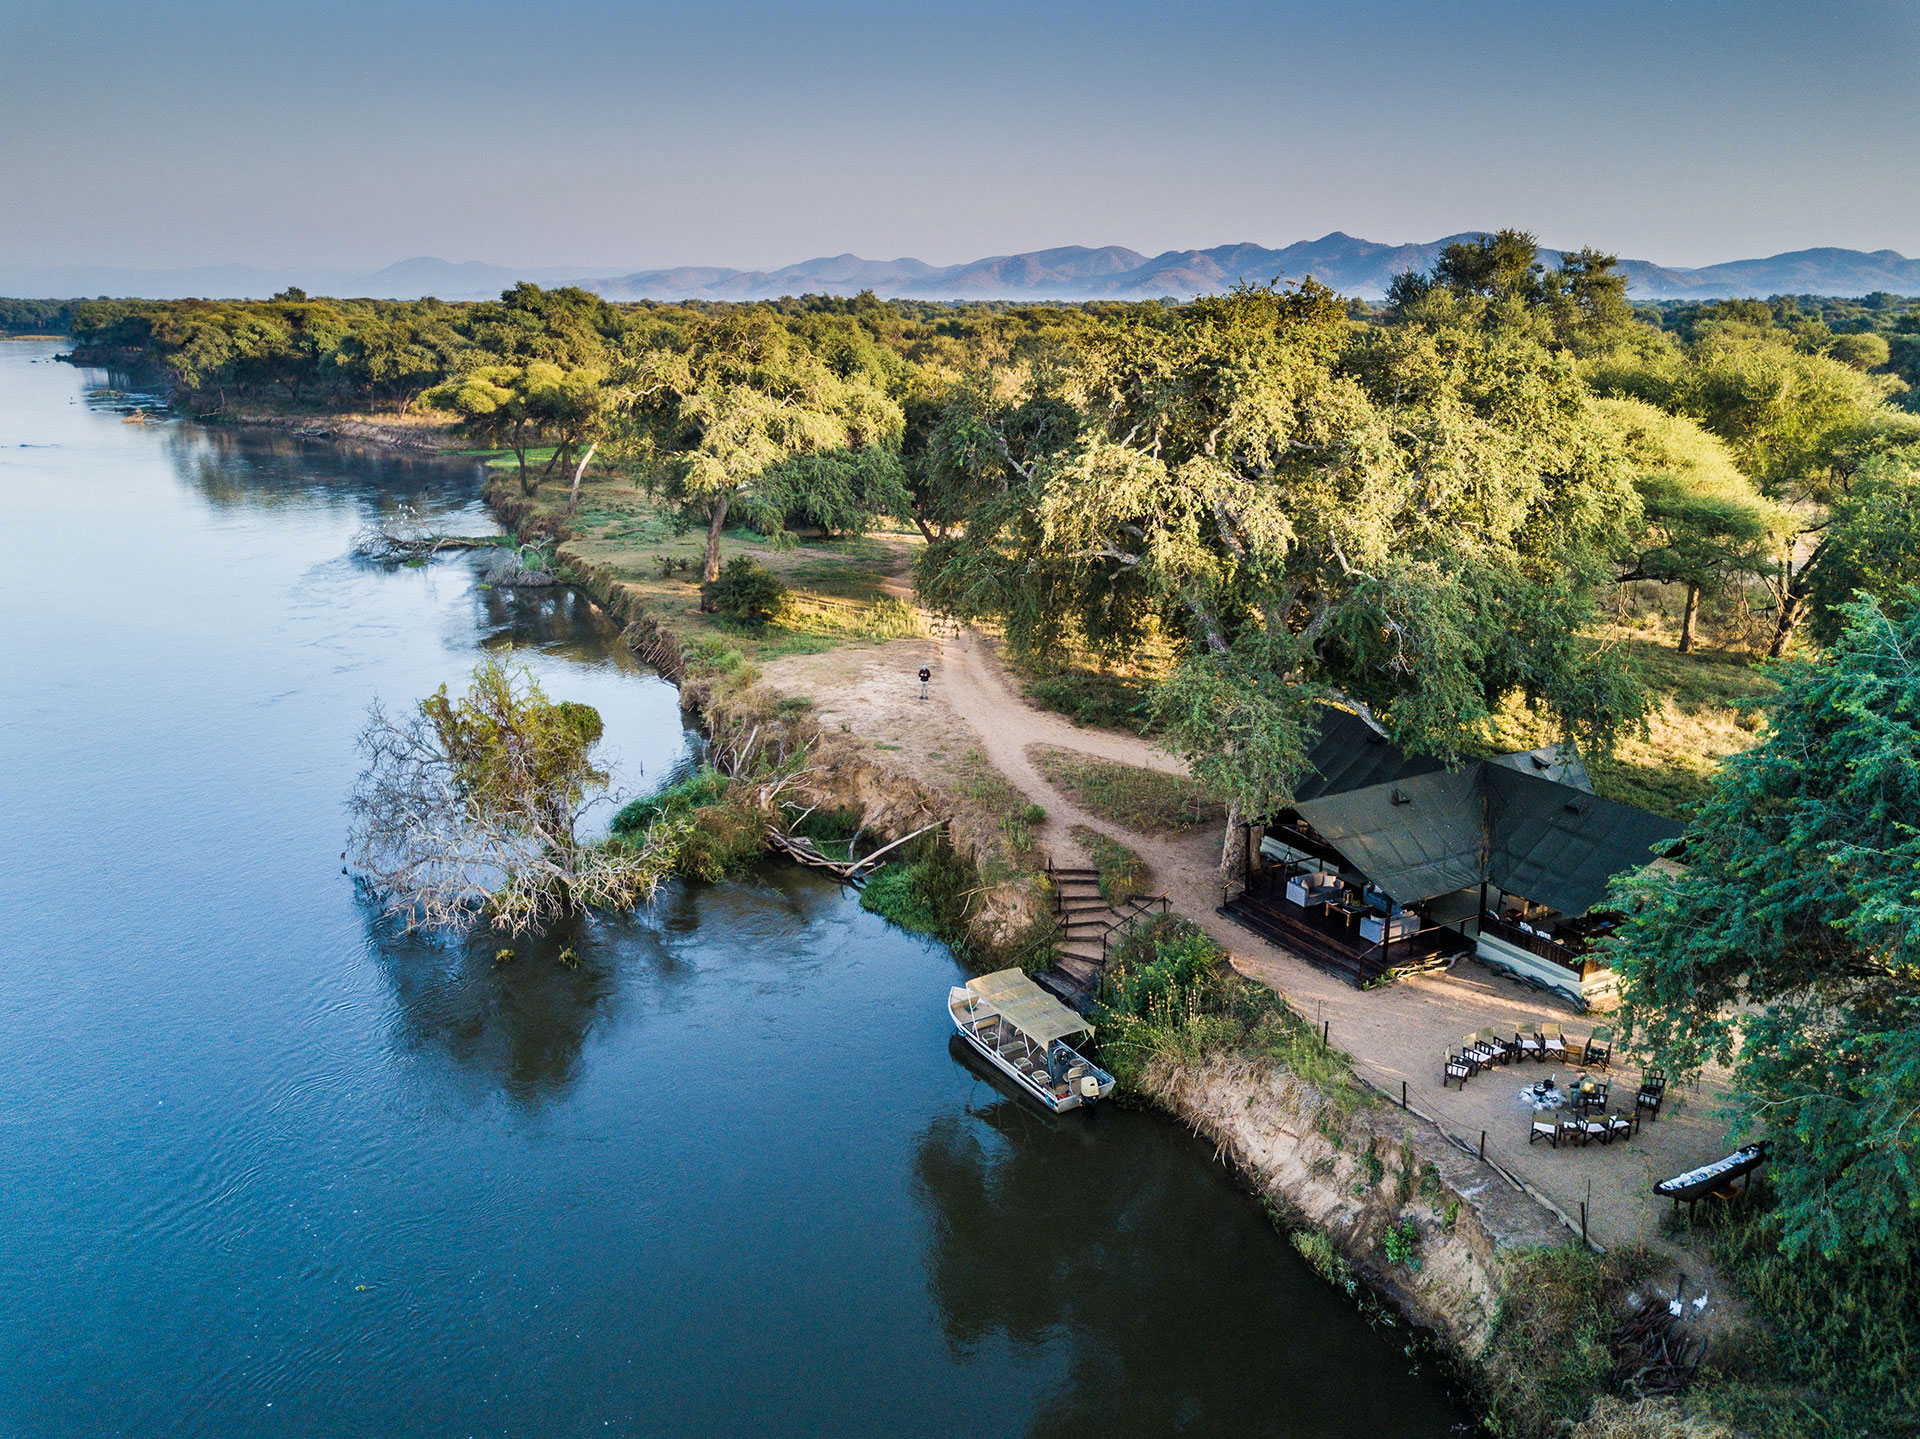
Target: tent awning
(1027,1007)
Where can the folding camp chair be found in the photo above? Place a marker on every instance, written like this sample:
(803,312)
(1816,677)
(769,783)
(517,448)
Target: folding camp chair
(1599,1048)
(1553,1044)
(1458,1067)
(1502,1049)
(1547,1129)
(1653,1093)
(1527,1041)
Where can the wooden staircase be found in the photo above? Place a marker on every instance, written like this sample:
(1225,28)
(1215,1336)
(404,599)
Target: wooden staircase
(1088,926)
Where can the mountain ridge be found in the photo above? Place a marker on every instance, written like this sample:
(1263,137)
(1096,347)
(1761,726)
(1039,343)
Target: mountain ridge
(1347,263)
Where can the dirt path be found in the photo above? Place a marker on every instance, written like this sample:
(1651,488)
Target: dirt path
(1396,1034)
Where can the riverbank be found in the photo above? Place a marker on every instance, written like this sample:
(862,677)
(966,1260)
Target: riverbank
(830,678)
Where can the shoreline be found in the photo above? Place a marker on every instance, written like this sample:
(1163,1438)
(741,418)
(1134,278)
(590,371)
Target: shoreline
(1317,1172)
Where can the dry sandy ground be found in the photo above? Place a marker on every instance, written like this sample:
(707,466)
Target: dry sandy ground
(1395,1034)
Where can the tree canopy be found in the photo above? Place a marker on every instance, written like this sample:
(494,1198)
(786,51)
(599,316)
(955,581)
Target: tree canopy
(1789,947)
(1414,518)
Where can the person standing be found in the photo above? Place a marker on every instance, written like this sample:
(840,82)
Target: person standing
(926,677)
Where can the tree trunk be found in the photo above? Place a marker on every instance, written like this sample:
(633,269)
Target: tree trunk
(1233,847)
(1792,609)
(710,571)
(573,495)
(1686,622)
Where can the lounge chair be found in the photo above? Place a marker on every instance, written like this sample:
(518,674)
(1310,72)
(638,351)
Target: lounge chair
(1553,1044)
(1595,1129)
(1477,1050)
(1458,1067)
(1599,1048)
(1547,1129)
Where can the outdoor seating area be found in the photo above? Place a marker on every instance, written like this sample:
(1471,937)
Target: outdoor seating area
(1578,1114)
(1534,1039)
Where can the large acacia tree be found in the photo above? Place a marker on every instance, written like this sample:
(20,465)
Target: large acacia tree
(734,412)
(1416,519)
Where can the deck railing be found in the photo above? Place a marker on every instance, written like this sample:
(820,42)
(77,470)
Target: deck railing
(1569,956)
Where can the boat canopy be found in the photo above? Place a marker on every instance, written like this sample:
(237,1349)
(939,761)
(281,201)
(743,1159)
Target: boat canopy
(1027,1007)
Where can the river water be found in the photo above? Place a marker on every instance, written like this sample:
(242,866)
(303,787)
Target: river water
(271,1168)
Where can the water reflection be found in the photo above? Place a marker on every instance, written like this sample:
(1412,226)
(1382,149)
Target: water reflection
(266,469)
(1115,1249)
(515,1028)
(555,619)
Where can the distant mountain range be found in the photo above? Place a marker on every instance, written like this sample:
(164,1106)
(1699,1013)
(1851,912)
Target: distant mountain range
(1073,272)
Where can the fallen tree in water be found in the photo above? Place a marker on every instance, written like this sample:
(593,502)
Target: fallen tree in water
(469,808)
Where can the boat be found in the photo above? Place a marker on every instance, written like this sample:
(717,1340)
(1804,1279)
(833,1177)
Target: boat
(1698,1183)
(1022,1031)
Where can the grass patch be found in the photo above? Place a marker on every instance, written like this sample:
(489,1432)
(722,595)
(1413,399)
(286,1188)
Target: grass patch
(1123,874)
(1551,1351)
(1169,994)
(1146,801)
(728,833)
(1700,715)
(1016,815)
(1095,698)
(928,891)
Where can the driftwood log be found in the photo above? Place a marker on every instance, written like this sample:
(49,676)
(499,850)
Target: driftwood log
(803,850)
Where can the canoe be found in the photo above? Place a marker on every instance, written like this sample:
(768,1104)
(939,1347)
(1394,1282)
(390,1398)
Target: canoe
(1698,1183)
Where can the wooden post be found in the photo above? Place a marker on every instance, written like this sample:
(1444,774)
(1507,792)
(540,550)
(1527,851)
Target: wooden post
(1479,920)
(1326,1028)
(1403,1094)
(1483,1146)
(1583,1221)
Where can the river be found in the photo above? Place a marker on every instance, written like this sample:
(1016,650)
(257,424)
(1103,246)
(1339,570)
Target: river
(272,1168)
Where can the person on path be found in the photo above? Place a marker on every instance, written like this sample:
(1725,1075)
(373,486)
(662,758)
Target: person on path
(926,675)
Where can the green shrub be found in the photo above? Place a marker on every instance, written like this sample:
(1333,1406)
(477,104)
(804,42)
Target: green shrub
(745,592)
(1845,1329)
(1123,874)
(1400,1242)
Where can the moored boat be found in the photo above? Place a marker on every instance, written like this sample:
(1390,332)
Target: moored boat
(1022,1031)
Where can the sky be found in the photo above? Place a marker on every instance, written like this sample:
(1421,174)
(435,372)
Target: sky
(728,132)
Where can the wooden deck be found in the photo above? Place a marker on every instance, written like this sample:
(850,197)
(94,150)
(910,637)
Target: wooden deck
(1332,941)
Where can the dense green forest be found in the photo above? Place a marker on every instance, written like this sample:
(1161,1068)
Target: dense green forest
(1424,508)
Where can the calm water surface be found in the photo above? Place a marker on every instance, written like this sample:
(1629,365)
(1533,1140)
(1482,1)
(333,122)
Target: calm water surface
(270,1168)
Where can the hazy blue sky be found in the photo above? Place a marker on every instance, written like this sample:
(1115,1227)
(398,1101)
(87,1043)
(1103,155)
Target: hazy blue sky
(711,131)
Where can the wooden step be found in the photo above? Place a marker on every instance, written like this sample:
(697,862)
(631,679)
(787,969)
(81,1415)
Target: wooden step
(1079,905)
(1079,949)
(1060,873)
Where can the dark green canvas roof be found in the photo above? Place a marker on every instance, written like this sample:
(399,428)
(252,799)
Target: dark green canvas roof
(1560,846)
(1432,834)
(1414,837)
(1351,754)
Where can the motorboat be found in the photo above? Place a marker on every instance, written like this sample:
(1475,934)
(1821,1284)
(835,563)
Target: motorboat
(1022,1031)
